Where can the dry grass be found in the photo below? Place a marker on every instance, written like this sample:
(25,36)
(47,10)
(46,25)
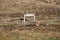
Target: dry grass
(28,35)
(12,8)
(23,6)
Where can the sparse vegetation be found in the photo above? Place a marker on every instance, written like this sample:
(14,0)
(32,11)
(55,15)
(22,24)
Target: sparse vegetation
(11,18)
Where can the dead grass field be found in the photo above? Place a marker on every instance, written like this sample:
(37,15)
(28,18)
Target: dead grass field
(28,35)
(11,15)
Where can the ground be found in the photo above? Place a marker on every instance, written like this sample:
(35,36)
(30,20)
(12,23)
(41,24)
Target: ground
(46,12)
